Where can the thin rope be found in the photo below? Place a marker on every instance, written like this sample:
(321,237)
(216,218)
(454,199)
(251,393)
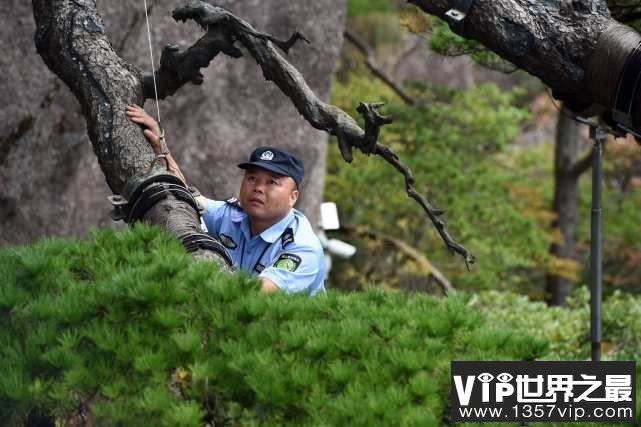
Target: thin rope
(151,55)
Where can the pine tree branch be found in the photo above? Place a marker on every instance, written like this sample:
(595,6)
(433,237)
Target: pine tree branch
(178,68)
(432,212)
(574,47)
(71,39)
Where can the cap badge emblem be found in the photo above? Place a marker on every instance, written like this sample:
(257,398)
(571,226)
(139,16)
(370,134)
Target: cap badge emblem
(267,155)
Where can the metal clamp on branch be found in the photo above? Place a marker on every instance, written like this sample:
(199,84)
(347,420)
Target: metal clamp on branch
(194,241)
(456,16)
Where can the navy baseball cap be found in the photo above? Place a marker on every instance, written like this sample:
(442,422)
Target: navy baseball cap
(277,161)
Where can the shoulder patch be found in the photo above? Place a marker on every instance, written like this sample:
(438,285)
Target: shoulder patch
(288,262)
(287,237)
(227,241)
(233,201)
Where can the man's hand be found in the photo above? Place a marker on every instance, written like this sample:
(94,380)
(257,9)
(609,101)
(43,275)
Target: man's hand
(152,132)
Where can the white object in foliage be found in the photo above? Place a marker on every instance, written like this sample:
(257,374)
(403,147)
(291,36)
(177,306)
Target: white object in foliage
(339,248)
(329,216)
(329,221)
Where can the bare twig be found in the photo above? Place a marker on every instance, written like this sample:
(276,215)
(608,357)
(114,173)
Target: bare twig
(432,212)
(371,63)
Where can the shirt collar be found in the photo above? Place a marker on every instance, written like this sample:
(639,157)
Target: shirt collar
(271,234)
(274,232)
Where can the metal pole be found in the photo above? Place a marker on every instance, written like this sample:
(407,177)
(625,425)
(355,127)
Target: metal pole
(599,135)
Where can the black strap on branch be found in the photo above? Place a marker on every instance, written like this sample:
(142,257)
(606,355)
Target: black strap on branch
(136,185)
(155,192)
(625,109)
(194,241)
(456,16)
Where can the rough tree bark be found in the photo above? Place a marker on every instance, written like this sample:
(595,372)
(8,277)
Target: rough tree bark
(574,47)
(71,39)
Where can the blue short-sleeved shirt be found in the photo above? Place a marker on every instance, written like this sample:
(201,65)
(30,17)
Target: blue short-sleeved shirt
(288,253)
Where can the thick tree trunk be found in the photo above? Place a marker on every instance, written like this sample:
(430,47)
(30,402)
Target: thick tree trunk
(566,197)
(71,39)
(574,47)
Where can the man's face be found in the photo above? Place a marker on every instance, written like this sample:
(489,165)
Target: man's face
(265,196)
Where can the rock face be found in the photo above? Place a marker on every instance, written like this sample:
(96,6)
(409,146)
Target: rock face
(50,181)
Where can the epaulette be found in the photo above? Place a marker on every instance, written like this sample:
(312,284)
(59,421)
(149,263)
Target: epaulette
(234,202)
(287,237)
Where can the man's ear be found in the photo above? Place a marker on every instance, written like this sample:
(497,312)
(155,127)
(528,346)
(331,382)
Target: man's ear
(293,197)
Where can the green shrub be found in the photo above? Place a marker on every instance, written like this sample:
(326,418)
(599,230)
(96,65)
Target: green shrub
(128,328)
(567,329)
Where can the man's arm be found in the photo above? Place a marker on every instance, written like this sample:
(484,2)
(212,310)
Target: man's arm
(296,270)
(268,286)
(152,133)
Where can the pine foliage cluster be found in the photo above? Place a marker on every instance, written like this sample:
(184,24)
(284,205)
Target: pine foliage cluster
(126,328)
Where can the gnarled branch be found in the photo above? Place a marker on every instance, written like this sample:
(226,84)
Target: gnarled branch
(320,115)
(178,68)
(71,39)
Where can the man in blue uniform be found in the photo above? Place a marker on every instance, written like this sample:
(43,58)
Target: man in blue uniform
(262,231)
